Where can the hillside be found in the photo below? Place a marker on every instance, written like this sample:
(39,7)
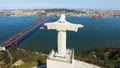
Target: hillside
(103,57)
(27,59)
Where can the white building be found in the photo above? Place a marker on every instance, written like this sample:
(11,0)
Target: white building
(2,48)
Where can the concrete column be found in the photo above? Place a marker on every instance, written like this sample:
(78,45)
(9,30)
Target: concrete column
(61,43)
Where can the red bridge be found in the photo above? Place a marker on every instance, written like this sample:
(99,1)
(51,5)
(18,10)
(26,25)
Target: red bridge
(16,37)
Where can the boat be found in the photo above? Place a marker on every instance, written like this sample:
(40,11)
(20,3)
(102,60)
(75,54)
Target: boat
(96,16)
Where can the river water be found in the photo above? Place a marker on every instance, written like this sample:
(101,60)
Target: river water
(97,33)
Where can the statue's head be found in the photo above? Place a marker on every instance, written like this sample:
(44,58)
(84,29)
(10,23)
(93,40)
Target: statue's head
(62,18)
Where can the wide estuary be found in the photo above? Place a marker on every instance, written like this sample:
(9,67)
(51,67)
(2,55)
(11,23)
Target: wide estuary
(97,32)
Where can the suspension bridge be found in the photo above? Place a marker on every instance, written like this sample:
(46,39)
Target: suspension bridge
(14,39)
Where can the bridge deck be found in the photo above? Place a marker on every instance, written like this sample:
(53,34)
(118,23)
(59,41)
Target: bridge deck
(16,37)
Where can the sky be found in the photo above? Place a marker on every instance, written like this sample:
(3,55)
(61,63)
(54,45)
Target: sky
(71,4)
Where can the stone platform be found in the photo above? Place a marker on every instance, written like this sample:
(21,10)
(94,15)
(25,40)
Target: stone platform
(54,61)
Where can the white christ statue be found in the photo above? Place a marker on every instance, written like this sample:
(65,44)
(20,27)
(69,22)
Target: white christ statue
(62,26)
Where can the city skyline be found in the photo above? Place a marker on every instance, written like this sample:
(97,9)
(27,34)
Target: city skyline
(71,4)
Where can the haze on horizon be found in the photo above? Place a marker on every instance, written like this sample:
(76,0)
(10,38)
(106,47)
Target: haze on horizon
(71,4)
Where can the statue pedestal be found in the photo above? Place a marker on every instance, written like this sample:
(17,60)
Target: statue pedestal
(54,61)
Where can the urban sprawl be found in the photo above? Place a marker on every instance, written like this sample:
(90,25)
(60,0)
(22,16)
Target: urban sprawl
(68,12)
